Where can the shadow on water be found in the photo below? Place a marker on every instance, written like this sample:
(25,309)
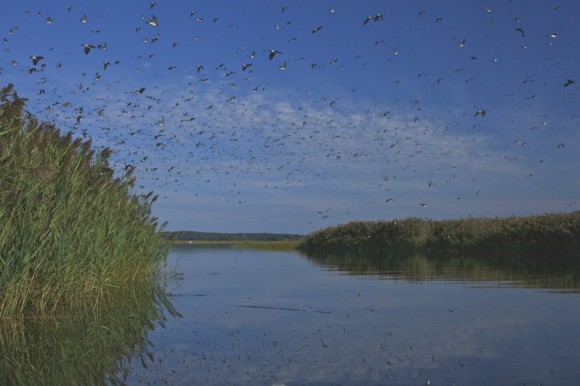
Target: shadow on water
(551,272)
(93,347)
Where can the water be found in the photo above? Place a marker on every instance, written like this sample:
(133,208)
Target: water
(272,318)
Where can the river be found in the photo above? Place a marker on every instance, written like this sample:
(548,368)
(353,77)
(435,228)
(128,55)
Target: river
(279,318)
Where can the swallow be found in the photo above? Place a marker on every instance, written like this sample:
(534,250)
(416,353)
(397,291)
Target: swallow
(520,31)
(569,82)
(36,59)
(480,113)
(153,21)
(87,47)
(317,29)
(273,53)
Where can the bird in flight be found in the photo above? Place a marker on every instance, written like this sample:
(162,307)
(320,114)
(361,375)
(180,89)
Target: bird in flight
(153,21)
(36,59)
(88,48)
(377,17)
(273,53)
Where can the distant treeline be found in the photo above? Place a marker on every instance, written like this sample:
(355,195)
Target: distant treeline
(216,236)
(541,234)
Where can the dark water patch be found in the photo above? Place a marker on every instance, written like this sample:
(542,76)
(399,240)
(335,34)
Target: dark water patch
(278,308)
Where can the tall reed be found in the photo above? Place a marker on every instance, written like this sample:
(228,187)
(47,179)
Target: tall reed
(69,229)
(552,234)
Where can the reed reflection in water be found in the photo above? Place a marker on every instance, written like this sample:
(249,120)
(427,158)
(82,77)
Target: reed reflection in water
(94,346)
(552,272)
(264,318)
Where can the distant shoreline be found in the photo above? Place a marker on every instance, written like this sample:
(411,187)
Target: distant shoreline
(272,245)
(222,236)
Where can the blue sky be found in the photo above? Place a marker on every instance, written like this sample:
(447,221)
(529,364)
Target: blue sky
(439,110)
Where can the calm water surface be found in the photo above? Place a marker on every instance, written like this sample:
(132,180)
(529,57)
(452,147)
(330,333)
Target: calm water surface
(277,318)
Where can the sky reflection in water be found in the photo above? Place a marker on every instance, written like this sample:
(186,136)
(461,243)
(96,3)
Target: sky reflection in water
(354,329)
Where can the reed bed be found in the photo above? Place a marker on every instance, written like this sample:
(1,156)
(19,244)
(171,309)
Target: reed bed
(547,234)
(70,230)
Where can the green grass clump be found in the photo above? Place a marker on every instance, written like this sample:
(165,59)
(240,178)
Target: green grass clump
(69,229)
(542,234)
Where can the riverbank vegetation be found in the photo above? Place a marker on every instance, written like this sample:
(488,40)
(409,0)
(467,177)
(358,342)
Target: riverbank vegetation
(539,235)
(186,236)
(263,241)
(274,245)
(70,230)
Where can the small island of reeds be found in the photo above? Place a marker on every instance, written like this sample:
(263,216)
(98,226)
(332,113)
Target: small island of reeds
(71,232)
(546,234)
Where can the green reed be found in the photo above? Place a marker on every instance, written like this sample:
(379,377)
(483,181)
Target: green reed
(70,230)
(546,234)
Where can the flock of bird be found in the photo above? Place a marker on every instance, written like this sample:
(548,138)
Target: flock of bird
(275,112)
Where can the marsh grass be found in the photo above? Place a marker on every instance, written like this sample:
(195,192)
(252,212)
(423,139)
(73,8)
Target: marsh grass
(70,231)
(541,235)
(277,245)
